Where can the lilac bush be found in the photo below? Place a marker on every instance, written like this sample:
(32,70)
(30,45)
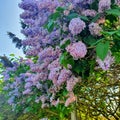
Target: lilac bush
(63,39)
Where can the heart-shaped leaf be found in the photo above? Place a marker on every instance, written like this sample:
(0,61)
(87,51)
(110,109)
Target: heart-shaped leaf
(102,49)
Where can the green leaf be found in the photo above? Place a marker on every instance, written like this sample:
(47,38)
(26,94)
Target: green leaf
(72,15)
(63,109)
(75,15)
(96,18)
(66,59)
(65,44)
(118,34)
(77,69)
(50,26)
(65,92)
(112,1)
(90,40)
(12,55)
(117,57)
(29,99)
(60,9)
(109,33)
(80,66)
(115,12)
(92,65)
(84,18)
(54,16)
(28,109)
(102,49)
(62,58)
(61,115)
(94,5)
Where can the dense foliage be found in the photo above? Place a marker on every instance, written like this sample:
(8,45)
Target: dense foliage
(72,55)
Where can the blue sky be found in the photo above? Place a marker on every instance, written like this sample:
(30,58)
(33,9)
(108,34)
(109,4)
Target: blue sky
(9,21)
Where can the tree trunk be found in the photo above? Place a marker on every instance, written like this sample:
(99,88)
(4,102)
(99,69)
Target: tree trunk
(74,115)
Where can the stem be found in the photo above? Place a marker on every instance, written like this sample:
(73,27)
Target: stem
(51,112)
(90,47)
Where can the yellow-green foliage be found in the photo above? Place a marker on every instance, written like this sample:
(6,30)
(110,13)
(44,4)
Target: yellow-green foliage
(28,117)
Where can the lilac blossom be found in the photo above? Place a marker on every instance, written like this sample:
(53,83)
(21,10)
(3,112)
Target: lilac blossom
(70,99)
(117,2)
(43,99)
(28,85)
(79,3)
(88,12)
(27,92)
(104,5)
(45,105)
(66,12)
(29,22)
(49,4)
(28,15)
(106,63)
(33,51)
(63,76)
(37,100)
(71,83)
(95,29)
(28,62)
(18,80)
(36,68)
(30,41)
(53,75)
(28,5)
(27,74)
(38,85)
(54,64)
(65,27)
(76,26)
(77,50)
(34,31)
(35,78)
(49,53)
(6,76)
(11,100)
(55,102)
(6,88)
(15,92)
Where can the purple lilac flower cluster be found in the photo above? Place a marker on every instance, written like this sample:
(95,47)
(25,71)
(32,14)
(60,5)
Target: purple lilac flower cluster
(76,26)
(34,16)
(77,50)
(15,86)
(95,29)
(117,2)
(104,5)
(105,64)
(89,12)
